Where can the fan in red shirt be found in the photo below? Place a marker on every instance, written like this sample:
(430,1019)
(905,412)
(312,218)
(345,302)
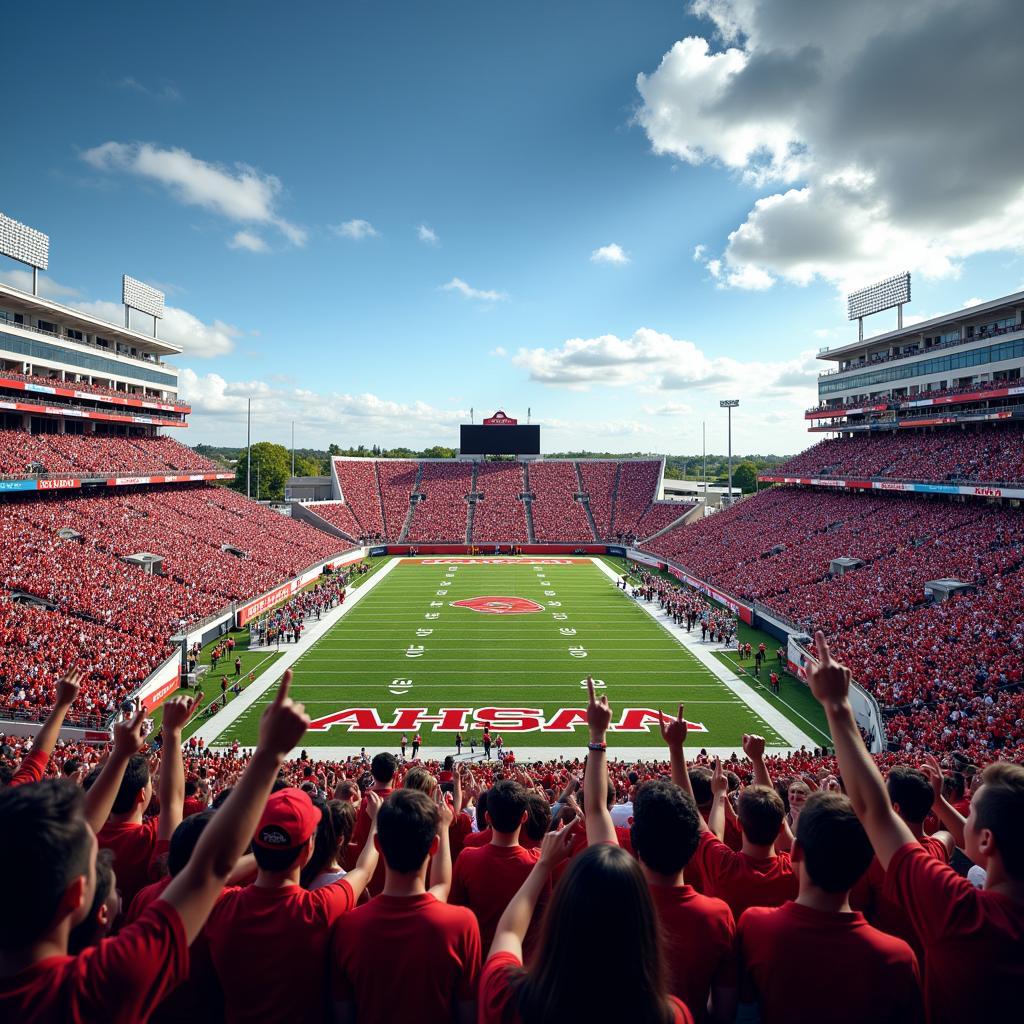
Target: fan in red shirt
(603,893)
(863,973)
(407,947)
(972,938)
(383,768)
(486,878)
(48,872)
(268,941)
(138,843)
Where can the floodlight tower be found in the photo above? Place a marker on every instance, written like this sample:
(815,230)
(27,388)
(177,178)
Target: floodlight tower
(730,404)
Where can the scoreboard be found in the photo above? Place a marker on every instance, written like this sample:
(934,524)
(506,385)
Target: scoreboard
(499,435)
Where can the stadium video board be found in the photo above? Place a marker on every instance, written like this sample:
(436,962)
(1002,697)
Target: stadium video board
(499,440)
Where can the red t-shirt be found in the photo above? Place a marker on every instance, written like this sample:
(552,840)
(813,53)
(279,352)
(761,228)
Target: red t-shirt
(700,943)
(801,964)
(744,881)
(119,980)
(192,805)
(136,851)
(486,879)
(476,839)
(972,938)
(359,834)
(496,1000)
(461,828)
(405,958)
(32,767)
(869,896)
(269,948)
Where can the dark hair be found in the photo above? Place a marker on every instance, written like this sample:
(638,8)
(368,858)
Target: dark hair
(481,811)
(221,797)
(836,849)
(700,781)
(665,826)
(136,778)
(603,892)
(46,845)
(406,825)
(760,812)
(506,805)
(337,822)
(383,766)
(184,840)
(609,798)
(999,807)
(87,932)
(538,816)
(70,766)
(912,791)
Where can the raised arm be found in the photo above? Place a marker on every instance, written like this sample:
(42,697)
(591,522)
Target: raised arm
(673,732)
(830,684)
(753,747)
(359,877)
(440,880)
(600,828)
(952,820)
(127,742)
(719,789)
(513,925)
(67,691)
(171,794)
(195,889)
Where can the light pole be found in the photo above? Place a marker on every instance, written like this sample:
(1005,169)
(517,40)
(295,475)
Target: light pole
(730,404)
(248,450)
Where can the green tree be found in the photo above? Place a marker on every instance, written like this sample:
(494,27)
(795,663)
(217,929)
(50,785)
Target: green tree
(744,476)
(271,466)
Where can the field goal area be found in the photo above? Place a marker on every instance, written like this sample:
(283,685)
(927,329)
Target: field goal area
(443,645)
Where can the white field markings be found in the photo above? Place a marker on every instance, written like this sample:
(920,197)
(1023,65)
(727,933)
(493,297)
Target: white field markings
(770,715)
(250,696)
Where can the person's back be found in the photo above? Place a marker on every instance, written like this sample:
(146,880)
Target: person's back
(814,958)
(383,768)
(406,952)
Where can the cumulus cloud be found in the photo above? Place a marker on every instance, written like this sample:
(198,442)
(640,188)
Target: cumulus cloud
(612,253)
(48,288)
(165,91)
(426,234)
(240,193)
(248,240)
(870,160)
(456,284)
(357,230)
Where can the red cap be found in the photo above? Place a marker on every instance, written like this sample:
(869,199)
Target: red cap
(289,819)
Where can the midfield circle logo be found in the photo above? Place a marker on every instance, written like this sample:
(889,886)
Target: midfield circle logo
(499,605)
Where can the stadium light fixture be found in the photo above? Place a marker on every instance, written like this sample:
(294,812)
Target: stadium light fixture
(893,291)
(25,245)
(136,294)
(729,404)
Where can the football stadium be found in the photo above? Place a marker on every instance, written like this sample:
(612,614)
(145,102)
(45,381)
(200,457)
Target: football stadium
(487,713)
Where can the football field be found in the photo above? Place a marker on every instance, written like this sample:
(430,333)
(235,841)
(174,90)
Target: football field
(445,645)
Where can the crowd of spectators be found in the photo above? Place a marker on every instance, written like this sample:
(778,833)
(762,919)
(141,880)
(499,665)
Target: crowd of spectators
(397,480)
(22,453)
(599,478)
(99,390)
(983,454)
(557,515)
(359,490)
(660,515)
(900,400)
(500,515)
(340,515)
(718,889)
(637,489)
(442,514)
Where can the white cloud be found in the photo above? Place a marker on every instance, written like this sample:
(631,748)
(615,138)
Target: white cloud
(425,233)
(857,127)
(248,240)
(241,193)
(973,301)
(357,230)
(48,288)
(167,91)
(456,284)
(612,253)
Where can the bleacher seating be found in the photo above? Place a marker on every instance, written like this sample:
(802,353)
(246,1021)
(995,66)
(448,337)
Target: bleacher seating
(638,487)
(397,479)
(99,390)
(599,483)
(557,516)
(660,515)
(500,516)
(358,481)
(442,515)
(340,515)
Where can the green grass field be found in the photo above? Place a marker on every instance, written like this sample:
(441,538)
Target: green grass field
(407,644)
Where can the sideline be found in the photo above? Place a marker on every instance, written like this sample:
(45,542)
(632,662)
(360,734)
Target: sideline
(290,653)
(786,728)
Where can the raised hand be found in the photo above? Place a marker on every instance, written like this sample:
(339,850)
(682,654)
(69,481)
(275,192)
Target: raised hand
(599,715)
(284,722)
(674,731)
(933,772)
(753,746)
(555,846)
(178,710)
(445,808)
(829,680)
(373,802)
(128,737)
(719,780)
(68,687)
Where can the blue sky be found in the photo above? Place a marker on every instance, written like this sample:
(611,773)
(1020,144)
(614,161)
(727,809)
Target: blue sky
(374,216)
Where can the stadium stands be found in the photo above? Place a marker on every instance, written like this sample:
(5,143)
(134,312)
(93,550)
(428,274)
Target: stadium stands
(638,487)
(397,479)
(358,481)
(442,514)
(99,390)
(660,515)
(340,515)
(500,516)
(557,516)
(599,482)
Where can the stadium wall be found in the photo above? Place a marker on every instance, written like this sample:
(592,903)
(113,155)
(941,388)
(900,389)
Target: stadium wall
(503,549)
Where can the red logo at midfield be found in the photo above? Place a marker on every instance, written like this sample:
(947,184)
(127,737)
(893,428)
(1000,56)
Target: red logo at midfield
(499,605)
